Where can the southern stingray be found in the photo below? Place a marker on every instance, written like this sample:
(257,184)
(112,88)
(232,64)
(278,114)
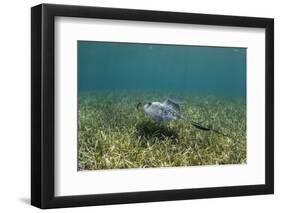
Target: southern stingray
(169,110)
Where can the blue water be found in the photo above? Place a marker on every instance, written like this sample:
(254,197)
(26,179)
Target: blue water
(156,67)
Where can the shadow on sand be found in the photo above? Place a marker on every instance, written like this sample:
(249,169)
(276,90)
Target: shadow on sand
(151,130)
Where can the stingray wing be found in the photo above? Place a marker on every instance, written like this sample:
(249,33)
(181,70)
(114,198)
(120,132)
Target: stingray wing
(172,105)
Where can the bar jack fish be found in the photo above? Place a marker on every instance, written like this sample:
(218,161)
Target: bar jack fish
(170,110)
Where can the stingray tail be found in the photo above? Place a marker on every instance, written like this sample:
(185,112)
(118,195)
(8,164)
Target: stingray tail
(199,126)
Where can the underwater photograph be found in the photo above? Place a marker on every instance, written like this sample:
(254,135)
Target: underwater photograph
(160,105)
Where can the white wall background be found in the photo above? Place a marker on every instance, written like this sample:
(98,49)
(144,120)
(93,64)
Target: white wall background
(15,105)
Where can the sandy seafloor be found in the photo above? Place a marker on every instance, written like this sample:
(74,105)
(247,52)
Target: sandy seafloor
(113,134)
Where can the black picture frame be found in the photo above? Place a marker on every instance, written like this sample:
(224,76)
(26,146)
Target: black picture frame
(43,102)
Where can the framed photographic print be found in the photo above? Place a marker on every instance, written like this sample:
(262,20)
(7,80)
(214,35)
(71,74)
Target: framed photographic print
(139,106)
